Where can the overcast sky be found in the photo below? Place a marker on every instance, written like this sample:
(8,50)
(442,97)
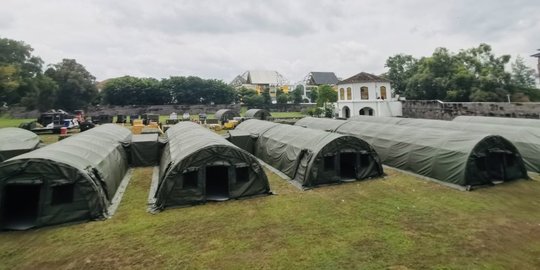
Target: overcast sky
(221,39)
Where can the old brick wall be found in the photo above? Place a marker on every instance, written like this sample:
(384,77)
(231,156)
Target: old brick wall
(433,109)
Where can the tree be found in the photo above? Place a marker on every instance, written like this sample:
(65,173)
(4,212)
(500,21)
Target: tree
(76,86)
(194,90)
(255,101)
(282,98)
(297,94)
(129,90)
(243,93)
(18,69)
(41,94)
(313,94)
(522,76)
(401,68)
(326,94)
(266,96)
(473,74)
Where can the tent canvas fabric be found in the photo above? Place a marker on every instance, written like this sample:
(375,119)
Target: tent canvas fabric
(71,180)
(224,115)
(257,114)
(312,157)
(144,150)
(198,165)
(503,121)
(525,139)
(16,141)
(456,157)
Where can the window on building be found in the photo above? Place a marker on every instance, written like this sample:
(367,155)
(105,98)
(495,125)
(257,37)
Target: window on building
(349,93)
(383,92)
(341,94)
(364,93)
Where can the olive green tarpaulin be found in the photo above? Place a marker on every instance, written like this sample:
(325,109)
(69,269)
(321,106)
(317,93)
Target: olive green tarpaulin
(456,157)
(224,115)
(71,180)
(144,150)
(198,165)
(505,121)
(526,139)
(16,141)
(312,157)
(257,114)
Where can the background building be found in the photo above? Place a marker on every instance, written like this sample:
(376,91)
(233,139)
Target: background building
(314,79)
(366,94)
(260,80)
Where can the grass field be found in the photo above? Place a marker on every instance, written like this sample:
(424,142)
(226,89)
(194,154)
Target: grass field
(396,222)
(399,222)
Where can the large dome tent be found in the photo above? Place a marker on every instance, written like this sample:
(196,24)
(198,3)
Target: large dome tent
(455,157)
(312,157)
(260,114)
(504,121)
(224,115)
(197,165)
(525,139)
(71,180)
(16,141)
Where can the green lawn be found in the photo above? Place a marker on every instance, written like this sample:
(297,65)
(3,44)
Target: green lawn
(13,122)
(399,222)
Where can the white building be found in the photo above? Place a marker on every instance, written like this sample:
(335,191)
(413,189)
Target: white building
(315,79)
(366,94)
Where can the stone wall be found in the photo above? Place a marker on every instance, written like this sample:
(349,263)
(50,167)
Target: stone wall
(434,109)
(20,112)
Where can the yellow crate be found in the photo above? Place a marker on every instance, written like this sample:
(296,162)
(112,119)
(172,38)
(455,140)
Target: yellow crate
(153,125)
(137,122)
(137,129)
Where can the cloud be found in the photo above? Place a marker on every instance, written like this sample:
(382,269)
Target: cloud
(221,39)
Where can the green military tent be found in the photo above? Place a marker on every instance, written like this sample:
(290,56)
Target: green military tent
(505,121)
(526,139)
(16,141)
(197,165)
(71,180)
(225,115)
(144,150)
(456,157)
(312,157)
(257,114)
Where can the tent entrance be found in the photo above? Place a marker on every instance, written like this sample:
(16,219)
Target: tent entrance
(497,166)
(20,206)
(217,183)
(347,165)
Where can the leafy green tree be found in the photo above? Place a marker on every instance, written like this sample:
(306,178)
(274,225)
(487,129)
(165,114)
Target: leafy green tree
(194,90)
(18,70)
(76,86)
(326,94)
(401,68)
(254,101)
(297,94)
(129,90)
(266,96)
(243,92)
(522,75)
(41,94)
(282,98)
(313,94)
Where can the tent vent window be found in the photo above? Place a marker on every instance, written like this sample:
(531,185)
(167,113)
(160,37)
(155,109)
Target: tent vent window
(364,159)
(190,179)
(62,194)
(329,163)
(242,175)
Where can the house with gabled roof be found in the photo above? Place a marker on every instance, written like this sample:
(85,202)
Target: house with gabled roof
(366,94)
(315,79)
(260,80)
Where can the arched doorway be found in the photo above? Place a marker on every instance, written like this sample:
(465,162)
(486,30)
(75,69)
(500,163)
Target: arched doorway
(366,111)
(346,112)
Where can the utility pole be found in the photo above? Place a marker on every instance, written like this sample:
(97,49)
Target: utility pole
(537,55)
